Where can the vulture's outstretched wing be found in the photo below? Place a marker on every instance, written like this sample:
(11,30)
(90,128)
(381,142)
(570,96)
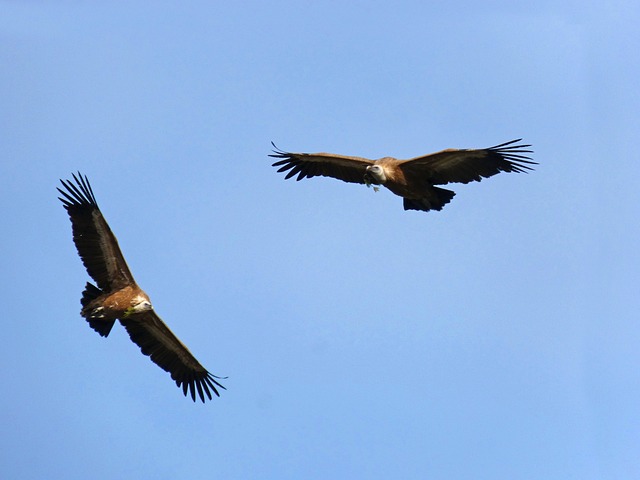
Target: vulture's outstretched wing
(464,166)
(96,243)
(155,339)
(307,165)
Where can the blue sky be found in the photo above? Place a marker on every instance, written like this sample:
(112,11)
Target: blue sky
(495,339)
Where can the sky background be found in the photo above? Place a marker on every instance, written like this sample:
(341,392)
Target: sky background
(498,338)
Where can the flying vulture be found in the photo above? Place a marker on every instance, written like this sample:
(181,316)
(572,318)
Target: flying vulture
(118,297)
(412,179)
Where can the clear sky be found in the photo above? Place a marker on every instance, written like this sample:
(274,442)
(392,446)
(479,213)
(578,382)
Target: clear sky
(496,339)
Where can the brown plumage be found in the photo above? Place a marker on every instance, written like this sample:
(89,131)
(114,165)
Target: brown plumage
(412,179)
(118,297)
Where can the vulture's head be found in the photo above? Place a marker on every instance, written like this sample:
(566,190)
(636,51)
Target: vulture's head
(374,174)
(140,303)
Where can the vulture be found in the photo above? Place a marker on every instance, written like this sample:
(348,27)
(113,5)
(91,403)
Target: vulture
(118,297)
(414,179)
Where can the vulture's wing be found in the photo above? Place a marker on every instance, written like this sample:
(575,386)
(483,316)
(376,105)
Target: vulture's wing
(165,349)
(464,166)
(307,165)
(96,243)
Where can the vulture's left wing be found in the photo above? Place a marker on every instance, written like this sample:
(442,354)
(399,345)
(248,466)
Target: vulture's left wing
(307,165)
(464,166)
(155,339)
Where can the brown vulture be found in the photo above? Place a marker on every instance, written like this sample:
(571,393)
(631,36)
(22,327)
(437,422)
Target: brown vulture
(412,179)
(118,297)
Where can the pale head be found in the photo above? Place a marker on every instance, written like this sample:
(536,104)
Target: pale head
(139,304)
(374,174)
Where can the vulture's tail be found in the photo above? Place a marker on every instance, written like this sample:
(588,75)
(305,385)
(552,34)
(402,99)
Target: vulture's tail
(93,315)
(437,198)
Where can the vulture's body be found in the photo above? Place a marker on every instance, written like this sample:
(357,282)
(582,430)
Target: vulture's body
(415,179)
(118,297)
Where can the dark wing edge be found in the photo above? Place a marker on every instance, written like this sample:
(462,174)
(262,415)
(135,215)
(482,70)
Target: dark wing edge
(159,343)
(95,242)
(308,165)
(78,196)
(513,156)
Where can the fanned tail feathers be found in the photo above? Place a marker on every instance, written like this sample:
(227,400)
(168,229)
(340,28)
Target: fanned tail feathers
(103,327)
(439,198)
